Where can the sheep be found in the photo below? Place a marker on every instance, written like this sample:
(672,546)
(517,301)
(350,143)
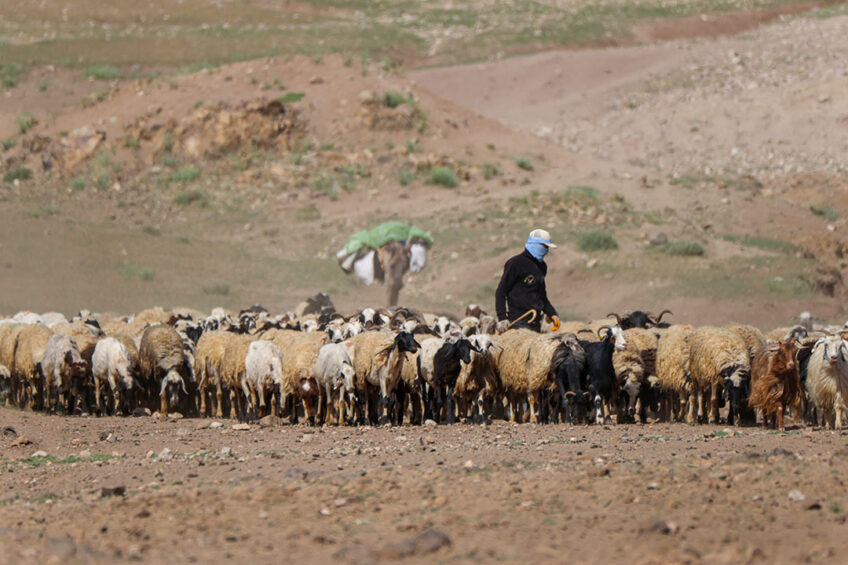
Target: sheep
(645,341)
(718,359)
(775,381)
(410,386)
(447,362)
(334,373)
(163,365)
(9,333)
(209,360)
(64,372)
(478,383)
(233,373)
(599,370)
(632,378)
(530,363)
(300,352)
(639,319)
(263,367)
(114,363)
(26,368)
(378,360)
(672,366)
(827,379)
(6,385)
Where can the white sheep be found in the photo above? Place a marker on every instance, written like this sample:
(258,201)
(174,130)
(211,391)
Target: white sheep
(263,367)
(827,379)
(113,363)
(64,370)
(335,376)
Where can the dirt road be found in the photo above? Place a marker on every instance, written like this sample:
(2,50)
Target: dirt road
(141,489)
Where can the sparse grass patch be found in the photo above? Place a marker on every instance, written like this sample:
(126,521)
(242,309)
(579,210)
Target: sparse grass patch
(131,142)
(169,160)
(524,163)
(827,212)
(151,230)
(186,197)
(325,185)
(18,173)
(413,146)
(490,170)
(794,286)
(131,271)
(691,179)
(683,247)
(103,180)
(444,176)
(42,211)
(584,195)
(7,143)
(102,72)
(307,213)
(185,174)
(290,97)
(43,85)
(764,243)
(394,99)
(216,288)
(25,122)
(406,176)
(77,183)
(597,240)
(10,75)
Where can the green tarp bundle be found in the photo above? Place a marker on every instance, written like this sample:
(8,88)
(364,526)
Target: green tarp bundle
(384,233)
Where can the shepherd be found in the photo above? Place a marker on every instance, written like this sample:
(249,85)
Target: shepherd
(521,296)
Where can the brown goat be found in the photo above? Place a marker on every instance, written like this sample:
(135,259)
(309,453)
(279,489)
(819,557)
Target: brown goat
(775,381)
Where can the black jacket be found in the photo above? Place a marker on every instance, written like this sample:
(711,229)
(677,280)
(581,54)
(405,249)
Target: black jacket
(522,287)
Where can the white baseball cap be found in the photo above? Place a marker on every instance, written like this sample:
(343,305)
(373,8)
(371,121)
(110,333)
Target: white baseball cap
(543,234)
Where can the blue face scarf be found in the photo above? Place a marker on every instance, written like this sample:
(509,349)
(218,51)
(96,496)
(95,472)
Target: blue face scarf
(537,247)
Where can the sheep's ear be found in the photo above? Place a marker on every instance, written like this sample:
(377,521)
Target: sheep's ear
(69,358)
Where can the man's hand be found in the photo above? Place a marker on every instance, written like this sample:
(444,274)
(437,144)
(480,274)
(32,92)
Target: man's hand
(502,326)
(555,321)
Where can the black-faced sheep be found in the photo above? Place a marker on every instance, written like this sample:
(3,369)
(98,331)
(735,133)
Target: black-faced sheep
(378,360)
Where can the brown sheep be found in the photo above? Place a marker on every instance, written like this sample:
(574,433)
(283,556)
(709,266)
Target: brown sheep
(209,361)
(775,381)
(8,343)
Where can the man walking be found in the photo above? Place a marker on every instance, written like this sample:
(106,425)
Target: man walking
(522,286)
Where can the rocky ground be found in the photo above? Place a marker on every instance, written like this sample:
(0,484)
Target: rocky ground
(91,490)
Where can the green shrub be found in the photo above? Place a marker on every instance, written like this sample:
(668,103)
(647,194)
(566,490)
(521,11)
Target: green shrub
(7,143)
(524,163)
(405,177)
(597,240)
(25,122)
(395,99)
(444,176)
(683,247)
(308,213)
(291,97)
(828,212)
(325,185)
(187,197)
(413,146)
(10,75)
(18,173)
(185,174)
(490,171)
(151,230)
(102,72)
(77,183)
(146,273)
(169,161)
(102,181)
(131,142)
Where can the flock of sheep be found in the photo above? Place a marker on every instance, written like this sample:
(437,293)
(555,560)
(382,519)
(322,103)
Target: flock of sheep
(381,366)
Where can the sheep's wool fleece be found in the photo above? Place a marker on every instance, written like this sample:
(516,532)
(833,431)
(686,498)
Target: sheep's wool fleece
(673,358)
(712,350)
(825,380)
(32,343)
(525,363)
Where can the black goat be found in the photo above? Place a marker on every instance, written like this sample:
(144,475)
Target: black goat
(599,372)
(640,319)
(567,365)
(446,366)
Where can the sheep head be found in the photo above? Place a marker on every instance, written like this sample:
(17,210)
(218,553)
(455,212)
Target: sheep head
(170,388)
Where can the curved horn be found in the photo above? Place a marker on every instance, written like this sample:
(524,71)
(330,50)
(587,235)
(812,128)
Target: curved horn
(658,319)
(609,329)
(616,316)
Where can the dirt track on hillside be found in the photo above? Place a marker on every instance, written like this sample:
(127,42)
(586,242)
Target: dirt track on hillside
(662,493)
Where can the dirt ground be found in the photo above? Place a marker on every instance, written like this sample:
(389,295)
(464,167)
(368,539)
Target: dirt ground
(183,491)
